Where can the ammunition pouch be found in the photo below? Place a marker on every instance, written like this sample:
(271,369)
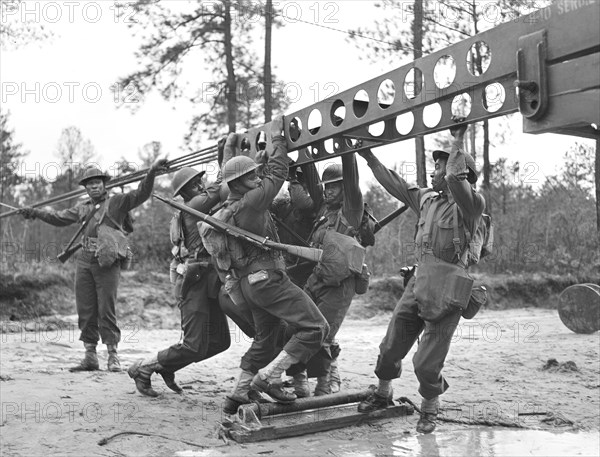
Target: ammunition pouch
(361,283)
(342,257)
(478,298)
(112,245)
(441,288)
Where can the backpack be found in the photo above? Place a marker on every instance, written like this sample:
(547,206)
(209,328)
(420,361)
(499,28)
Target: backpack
(227,251)
(481,244)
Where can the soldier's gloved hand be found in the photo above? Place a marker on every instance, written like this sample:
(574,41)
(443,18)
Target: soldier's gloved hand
(261,157)
(28,212)
(160,166)
(458,131)
(277,127)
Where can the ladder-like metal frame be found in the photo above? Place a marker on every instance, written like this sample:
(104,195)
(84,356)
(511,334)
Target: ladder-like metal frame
(547,63)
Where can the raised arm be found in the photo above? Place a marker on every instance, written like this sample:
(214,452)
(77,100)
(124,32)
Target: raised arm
(138,196)
(470,202)
(393,183)
(353,198)
(275,171)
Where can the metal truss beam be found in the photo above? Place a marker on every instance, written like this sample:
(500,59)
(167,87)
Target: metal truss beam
(551,55)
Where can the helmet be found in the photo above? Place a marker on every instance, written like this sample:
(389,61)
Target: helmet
(93,172)
(472,176)
(333,173)
(238,167)
(182,177)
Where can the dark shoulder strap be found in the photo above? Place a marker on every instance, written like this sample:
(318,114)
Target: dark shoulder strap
(106,213)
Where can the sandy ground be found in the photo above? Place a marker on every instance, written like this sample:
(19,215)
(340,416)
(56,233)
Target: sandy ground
(495,369)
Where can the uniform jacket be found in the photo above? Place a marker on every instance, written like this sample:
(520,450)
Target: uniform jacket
(352,205)
(252,208)
(436,239)
(118,209)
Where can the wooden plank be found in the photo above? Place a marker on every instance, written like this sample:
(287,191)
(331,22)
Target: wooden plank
(313,421)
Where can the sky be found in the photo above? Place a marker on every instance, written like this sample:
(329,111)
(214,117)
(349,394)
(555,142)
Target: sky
(66,81)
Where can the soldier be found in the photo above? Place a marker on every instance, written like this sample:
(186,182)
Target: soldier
(204,325)
(435,242)
(264,284)
(339,204)
(294,216)
(96,285)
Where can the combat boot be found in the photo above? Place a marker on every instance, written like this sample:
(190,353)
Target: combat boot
(429,412)
(268,379)
(323,387)
(375,401)
(239,396)
(335,381)
(114,364)
(169,379)
(141,372)
(301,387)
(90,360)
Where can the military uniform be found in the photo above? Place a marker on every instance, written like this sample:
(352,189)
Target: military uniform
(204,325)
(274,298)
(433,241)
(333,300)
(297,212)
(96,286)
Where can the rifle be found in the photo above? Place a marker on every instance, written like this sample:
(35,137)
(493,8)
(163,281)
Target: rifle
(70,249)
(312,254)
(389,218)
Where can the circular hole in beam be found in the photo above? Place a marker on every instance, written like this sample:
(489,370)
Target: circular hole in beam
(461,105)
(338,113)
(315,120)
(405,123)
(413,83)
(329,146)
(360,104)
(493,97)
(479,58)
(377,129)
(432,115)
(295,129)
(444,71)
(260,142)
(386,93)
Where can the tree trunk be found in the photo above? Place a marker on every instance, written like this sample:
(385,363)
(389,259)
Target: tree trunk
(597,176)
(231,83)
(486,167)
(417,29)
(267,72)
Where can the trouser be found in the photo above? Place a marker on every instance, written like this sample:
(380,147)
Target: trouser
(403,330)
(273,300)
(241,315)
(95,298)
(333,302)
(204,325)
